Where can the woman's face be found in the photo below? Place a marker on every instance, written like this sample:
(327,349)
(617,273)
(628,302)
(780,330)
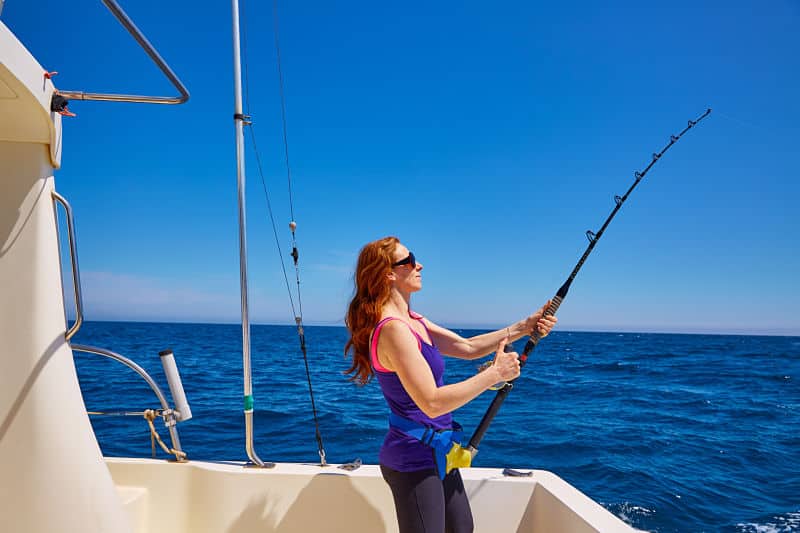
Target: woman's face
(408,276)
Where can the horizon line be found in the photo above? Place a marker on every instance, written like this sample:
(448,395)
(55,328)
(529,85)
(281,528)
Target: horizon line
(580,329)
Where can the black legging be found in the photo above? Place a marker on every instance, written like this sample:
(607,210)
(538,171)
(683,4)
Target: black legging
(426,504)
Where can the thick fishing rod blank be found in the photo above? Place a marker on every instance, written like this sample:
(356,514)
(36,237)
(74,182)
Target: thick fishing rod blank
(555,303)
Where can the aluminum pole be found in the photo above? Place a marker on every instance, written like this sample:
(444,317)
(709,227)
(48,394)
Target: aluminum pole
(240,176)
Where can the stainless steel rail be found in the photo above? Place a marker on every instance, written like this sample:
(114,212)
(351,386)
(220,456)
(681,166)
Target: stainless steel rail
(76,275)
(169,414)
(128,24)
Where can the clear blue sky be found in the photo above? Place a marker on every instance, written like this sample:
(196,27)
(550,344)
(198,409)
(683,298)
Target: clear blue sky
(487,136)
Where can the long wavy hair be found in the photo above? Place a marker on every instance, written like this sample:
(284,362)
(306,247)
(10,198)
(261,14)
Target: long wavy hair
(372,290)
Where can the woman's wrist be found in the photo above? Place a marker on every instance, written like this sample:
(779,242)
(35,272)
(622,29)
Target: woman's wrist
(514,331)
(492,376)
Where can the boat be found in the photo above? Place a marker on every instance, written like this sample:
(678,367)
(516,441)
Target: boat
(54,476)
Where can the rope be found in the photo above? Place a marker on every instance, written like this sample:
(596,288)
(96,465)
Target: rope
(298,316)
(115,413)
(150,415)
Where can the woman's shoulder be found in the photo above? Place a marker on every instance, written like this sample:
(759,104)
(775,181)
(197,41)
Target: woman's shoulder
(393,324)
(397,330)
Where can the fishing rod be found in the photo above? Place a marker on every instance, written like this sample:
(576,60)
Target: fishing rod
(462,457)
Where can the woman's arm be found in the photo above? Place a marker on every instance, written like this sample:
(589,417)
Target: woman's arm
(454,345)
(400,352)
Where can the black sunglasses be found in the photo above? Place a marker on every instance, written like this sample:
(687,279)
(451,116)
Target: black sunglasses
(410,260)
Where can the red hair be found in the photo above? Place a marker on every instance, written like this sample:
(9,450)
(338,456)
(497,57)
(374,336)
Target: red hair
(372,290)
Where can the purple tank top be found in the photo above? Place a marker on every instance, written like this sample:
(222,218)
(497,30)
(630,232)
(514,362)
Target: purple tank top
(399,451)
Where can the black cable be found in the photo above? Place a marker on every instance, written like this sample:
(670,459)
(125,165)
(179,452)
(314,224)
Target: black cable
(295,255)
(293,226)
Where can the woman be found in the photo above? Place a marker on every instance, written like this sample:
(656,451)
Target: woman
(404,350)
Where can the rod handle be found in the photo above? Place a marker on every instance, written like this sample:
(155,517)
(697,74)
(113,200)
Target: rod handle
(534,339)
(555,303)
(488,416)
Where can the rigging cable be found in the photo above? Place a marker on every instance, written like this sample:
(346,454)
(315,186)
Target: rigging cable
(298,316)
(462,457)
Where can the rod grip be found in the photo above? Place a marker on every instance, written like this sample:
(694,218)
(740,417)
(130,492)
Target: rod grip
(555,303)
(500,397)
(488,416)
(534,339)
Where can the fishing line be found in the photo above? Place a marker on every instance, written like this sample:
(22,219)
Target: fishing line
(742,123)
(298,316)
(283,105)
(555,303)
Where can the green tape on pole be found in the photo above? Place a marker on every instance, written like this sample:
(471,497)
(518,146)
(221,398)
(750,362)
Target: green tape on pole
(248,402)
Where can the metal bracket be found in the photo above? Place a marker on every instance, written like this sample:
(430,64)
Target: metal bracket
(353,465)
(510,472)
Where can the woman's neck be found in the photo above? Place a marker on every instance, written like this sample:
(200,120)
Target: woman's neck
(399,304)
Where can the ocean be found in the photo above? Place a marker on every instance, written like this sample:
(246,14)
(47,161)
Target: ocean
(669,432)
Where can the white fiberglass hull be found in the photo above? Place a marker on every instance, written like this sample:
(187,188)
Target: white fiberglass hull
(201,497)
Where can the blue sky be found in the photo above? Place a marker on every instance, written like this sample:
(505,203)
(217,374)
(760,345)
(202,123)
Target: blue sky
(488,137)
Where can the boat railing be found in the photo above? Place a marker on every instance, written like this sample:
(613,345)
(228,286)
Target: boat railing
(76,275)
(170,416)
(128,24)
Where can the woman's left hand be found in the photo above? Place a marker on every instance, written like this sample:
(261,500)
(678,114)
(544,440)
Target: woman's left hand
(537,322)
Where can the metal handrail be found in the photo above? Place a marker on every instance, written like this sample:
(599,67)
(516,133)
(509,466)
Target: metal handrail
(169,414)
(76,274)
(128,24)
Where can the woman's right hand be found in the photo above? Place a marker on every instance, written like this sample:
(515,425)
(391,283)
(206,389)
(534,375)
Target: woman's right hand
(506,364)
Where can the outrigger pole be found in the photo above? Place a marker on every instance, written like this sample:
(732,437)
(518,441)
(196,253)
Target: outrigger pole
(460,457)
(239,120)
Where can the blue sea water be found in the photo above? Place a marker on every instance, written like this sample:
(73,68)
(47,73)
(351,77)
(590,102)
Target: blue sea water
(668,432)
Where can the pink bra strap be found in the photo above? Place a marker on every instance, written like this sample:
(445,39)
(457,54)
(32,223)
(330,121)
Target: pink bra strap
(419,318)
(373,352)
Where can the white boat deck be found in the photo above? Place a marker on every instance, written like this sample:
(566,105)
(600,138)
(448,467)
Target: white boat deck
(208,497)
